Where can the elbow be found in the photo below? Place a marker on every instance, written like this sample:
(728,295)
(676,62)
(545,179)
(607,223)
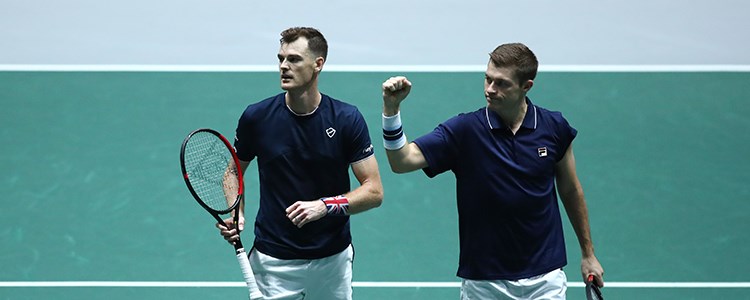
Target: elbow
(374,194)
(399,162)
(571,194)
(378,197)
(399,169)
(377,202)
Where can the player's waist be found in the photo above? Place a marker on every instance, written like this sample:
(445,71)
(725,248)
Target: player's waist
(297,251)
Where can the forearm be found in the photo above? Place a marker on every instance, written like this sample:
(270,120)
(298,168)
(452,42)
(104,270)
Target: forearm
(367,196)
(242,168)
(369,193)
(230,184)
(390,109)
(575,207)
(403,156)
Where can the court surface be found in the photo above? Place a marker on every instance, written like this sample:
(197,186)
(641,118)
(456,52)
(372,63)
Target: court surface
(94,205)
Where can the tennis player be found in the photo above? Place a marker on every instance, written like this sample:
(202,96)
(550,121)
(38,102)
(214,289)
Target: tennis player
(305,143)
(510,159)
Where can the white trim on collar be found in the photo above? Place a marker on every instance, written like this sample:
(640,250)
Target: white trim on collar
(487,115)
(303,114)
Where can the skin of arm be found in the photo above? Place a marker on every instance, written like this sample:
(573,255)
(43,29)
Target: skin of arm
(229,184)
(408,158)
(571,194)
(230,233)
(368,195)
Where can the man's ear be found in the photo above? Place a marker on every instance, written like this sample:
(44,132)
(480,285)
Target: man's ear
(527,85)
(319,62)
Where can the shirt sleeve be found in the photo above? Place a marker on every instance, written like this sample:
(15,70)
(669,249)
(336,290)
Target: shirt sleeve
(441,147)
(359,145)
(566,134)
(243,143)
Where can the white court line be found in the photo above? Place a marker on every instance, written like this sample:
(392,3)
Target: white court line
(367,68)
(366,284)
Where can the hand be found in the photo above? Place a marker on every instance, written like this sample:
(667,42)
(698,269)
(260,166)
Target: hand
(231,234)
(395,90)
(590,266)
(303,212)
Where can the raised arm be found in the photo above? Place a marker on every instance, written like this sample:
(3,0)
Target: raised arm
(403,157)
(571,193)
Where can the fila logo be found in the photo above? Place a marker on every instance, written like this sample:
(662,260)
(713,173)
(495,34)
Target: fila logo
(330,132)
(542,151)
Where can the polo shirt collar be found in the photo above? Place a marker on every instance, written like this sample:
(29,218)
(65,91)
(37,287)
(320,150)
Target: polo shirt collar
(529,120)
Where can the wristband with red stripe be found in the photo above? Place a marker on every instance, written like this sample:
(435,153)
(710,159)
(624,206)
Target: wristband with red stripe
(337,206)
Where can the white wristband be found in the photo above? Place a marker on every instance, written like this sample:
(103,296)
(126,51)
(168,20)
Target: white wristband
(393,133)
(393,122)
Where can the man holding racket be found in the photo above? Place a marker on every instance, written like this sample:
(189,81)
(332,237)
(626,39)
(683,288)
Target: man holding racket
(305,143)
(510,159)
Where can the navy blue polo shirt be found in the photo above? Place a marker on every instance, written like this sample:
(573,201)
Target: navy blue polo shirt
(301,158)
(509,219)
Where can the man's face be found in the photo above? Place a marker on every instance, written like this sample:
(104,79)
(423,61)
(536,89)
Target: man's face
(297,65)
(501,89)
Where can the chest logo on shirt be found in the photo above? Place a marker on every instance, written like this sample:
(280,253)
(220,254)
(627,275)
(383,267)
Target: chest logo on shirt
(330,132)
(542,151)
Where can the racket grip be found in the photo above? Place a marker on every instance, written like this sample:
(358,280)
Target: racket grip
(247,272)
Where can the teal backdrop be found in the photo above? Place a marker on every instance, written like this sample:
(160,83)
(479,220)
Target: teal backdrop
(91,186)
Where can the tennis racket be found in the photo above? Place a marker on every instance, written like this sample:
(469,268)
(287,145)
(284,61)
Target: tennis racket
(211,171)
(592,290)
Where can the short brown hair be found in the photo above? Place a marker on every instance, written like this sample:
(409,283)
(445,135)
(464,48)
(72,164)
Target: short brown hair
(518,57)
(316,42)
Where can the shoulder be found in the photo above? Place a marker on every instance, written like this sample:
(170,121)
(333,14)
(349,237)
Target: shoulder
(342,110)
(548,113)
(339,106)
(555,123)
(467,119)
(550,116)
(261,108)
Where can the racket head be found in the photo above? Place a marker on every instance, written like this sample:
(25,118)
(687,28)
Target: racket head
(593,292)
(211,171)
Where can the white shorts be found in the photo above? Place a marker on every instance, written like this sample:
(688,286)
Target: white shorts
(549,286)
(328,278)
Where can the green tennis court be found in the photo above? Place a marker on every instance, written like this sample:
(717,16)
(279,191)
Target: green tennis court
(94,205)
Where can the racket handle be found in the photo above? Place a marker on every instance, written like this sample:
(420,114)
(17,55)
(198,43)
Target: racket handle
(247,272)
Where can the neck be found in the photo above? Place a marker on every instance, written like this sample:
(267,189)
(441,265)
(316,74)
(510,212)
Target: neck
(303,102)
(513,116)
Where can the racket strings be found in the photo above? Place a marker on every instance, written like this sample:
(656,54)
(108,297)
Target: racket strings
(211,171)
